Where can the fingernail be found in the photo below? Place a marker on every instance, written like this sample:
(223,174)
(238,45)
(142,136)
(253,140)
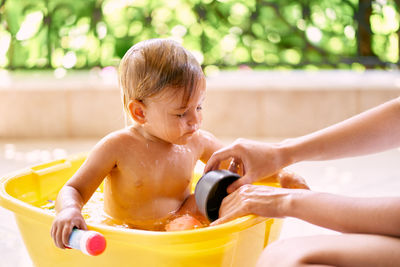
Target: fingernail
(214,223)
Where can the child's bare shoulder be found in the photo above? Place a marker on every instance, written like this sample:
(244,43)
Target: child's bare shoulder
(206,144)
(203,136)
(118,139)
(206,141)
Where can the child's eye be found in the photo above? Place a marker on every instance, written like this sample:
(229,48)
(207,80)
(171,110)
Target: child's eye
(199,108)
(181,115)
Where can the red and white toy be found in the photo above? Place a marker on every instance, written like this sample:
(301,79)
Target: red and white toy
(89,242)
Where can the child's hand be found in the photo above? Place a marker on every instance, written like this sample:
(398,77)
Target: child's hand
(288,179)
(63,224)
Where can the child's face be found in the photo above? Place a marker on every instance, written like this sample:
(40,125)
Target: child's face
(168,120)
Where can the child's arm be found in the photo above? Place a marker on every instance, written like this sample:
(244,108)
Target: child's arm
(210,144)
(78,190)
(340,213)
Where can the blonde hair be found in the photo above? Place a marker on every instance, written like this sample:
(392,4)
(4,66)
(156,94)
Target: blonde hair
(152,65)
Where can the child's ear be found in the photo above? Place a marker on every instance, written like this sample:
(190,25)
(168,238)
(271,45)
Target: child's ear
(137,110)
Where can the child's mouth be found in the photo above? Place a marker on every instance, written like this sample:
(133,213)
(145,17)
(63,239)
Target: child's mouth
(191,132)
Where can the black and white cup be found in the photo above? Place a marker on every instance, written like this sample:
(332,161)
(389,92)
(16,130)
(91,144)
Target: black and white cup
(211,190)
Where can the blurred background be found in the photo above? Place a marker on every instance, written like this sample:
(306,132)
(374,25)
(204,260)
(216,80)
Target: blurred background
(59,60)
(226,34)
(275,69)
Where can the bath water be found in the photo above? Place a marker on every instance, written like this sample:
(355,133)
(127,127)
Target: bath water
(93,213)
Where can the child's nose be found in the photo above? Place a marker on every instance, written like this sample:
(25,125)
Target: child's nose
(195,118)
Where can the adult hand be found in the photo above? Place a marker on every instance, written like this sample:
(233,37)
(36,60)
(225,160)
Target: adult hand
(261,200)
(254,159)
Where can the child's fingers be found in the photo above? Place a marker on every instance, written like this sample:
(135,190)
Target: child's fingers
(56,234)
(289,179)
(82,225)
(53,232)
(301,185)
(65,235)
(58,237)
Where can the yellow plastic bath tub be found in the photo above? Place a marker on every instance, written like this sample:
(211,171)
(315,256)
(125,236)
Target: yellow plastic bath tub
(236,243)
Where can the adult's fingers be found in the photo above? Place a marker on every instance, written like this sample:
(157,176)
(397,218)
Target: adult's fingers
(234,165)
(224,219)
(218,156)
(232,214)
(238,183)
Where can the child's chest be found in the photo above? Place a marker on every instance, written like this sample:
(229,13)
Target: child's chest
(157,171)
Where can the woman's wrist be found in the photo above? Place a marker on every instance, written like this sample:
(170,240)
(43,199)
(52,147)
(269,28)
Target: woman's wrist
(293,202)
(290,151)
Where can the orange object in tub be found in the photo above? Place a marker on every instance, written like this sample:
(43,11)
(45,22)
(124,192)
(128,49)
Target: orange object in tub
(185,222)
(236,243)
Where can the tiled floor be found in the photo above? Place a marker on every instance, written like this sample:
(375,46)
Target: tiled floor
(374,175)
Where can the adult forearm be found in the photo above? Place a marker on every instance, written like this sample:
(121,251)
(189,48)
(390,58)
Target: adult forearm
(346,214)
(372,131)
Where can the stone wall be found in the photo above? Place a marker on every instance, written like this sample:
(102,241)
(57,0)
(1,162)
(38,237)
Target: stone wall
(238,104)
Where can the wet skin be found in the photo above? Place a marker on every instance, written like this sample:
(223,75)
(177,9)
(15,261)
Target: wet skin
(147,167)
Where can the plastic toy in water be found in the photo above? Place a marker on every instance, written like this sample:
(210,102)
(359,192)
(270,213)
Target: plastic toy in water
(237,243)
(89,242)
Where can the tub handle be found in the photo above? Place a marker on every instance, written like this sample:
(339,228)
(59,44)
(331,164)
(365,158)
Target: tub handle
(51,167)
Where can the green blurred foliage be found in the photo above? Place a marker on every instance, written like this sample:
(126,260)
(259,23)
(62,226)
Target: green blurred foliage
(222,34)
